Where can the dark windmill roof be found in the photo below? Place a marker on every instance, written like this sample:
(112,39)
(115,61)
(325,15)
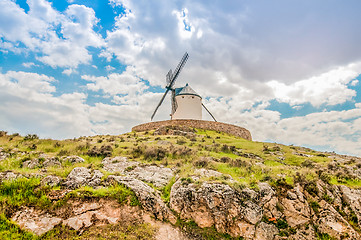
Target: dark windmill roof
(187,90)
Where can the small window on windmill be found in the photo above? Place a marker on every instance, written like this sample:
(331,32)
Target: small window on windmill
(182,96)
(192,97)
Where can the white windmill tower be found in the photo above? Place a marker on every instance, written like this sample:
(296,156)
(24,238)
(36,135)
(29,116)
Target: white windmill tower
(186,103)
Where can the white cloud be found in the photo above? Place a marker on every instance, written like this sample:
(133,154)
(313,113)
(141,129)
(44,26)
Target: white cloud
(126,83)
(328,88)
(109,68)
(37,30)
(69,71)
(29,64)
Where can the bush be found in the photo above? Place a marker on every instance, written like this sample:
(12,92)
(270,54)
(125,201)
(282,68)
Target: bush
(201,162)
(103,151)
(31,137)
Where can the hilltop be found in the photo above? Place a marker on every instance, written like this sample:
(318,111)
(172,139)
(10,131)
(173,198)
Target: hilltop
(175,183)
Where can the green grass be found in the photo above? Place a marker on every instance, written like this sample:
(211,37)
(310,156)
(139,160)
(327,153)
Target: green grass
(23,191)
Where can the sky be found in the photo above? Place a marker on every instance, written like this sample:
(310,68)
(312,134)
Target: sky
(288,71)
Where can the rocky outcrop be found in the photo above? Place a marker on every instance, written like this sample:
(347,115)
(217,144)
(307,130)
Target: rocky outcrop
(215,204)
(81,176)
(148,197)
(35,221)
(117,164)
(159,176)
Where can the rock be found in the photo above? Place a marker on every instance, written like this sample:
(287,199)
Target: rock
(74,159)
(331,222)
(81,176)
(3,155)
(352,198)
(150,200)
(158,176)
(33,163)
(117,164)
(265,231)
(296,212)
(266,192)
(82,221)
(51,180)
(214,204)
(35,221)
(208,173)
(8,175)
(51,162)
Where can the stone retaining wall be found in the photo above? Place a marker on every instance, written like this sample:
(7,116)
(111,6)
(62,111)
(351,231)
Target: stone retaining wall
(208,125)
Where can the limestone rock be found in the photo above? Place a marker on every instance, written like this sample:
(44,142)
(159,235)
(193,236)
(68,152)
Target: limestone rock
(353,198)
(74,159)
(214,204)
(117,164)
(33,163)
(51,180)
(265,231)
(331,222)
(35,221)
(51,162)
(81,176)
(159,176)
(8,175)
(150,200)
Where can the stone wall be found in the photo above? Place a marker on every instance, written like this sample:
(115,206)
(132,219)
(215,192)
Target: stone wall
(208,125)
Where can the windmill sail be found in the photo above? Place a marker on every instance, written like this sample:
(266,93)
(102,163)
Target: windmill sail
(170,79)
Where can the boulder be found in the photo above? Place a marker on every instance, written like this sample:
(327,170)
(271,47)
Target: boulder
(33,163)
(8,175)
(265,231)
(74,159)
(117,164)
(81,176)
(51,180)
(158,176)
(51,162)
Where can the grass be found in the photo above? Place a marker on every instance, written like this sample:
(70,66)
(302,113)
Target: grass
(117,191)
(23,191)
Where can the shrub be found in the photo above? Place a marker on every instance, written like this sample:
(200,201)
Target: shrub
(201,162)
(103,151)
(31,137)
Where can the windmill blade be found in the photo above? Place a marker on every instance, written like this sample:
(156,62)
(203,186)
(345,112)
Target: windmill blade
(209,112)
(168,77)
(161,101)
(178,69)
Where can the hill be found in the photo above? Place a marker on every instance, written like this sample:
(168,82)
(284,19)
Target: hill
(175,183)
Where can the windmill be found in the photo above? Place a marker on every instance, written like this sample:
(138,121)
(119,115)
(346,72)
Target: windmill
(182,108)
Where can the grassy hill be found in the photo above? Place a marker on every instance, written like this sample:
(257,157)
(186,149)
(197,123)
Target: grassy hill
(245,162)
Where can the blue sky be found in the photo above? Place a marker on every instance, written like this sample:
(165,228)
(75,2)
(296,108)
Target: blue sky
(289,71)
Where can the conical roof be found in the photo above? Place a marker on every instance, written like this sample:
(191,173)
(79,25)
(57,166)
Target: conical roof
(187,90)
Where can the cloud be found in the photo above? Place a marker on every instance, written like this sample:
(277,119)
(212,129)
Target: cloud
(329,88)
(38,31)
(126,83)
(69,71)
(29,64)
